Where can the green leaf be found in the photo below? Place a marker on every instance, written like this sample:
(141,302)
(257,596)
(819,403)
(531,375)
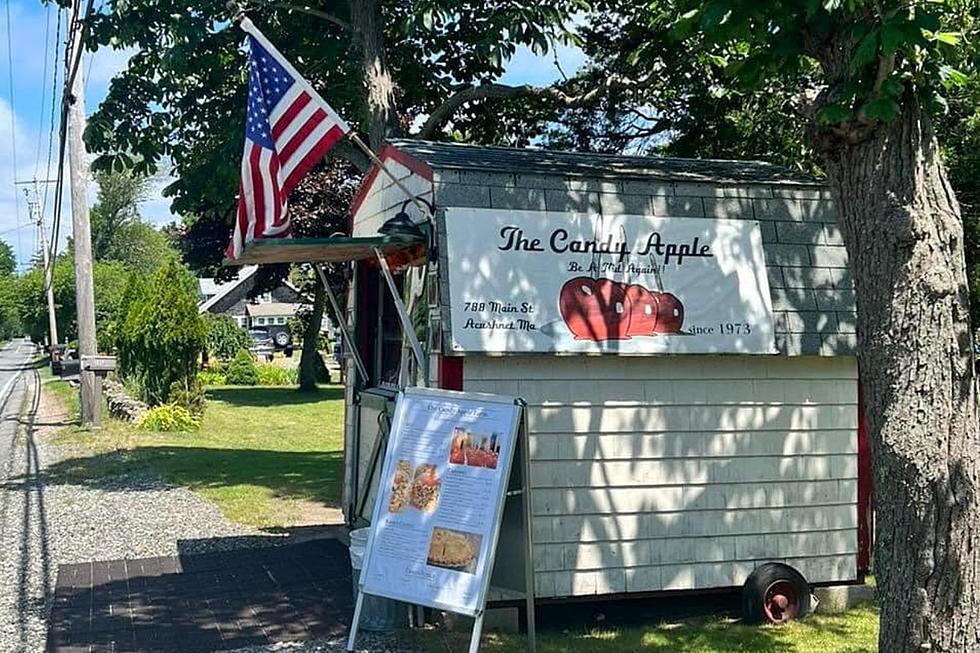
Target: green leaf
(892,87)
(927,20)
(866,50)
(950,38)
(951,77)
(833,114)
(883,109)
(715,14)
(718,60)
(892,36)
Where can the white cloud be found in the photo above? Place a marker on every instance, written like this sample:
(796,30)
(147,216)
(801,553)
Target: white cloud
(15,226)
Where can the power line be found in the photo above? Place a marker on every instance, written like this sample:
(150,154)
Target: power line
(13,133)
(91,57)
(54,104)
(44,89)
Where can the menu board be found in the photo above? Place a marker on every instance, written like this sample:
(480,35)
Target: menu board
(543,281)
(437,515)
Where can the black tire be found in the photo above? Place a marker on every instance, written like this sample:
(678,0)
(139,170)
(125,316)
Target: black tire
(283,338)
(775,593)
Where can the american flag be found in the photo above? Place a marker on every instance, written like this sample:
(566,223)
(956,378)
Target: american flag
(289,129)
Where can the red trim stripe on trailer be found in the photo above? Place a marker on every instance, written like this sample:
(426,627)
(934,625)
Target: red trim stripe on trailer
(450,373)
(864,509)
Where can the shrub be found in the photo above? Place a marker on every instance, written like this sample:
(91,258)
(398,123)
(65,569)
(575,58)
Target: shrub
(225,338)
(161,335)
(190,396)
(275,375)
(211,377)
(169,417)
(241,370)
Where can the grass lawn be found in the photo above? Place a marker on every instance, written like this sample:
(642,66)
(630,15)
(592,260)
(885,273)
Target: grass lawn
(267,456)
(853,632)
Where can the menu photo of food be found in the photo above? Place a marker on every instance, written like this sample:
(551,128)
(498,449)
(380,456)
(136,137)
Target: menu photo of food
(474,449)
(454,550)
(414,487)
(401,487)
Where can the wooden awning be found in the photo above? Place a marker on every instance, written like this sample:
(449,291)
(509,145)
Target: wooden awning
(335,249)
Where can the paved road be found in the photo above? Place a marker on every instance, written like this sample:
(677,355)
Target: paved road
(24,556)
(14,383)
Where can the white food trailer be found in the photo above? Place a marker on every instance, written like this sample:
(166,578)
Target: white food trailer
(682,332)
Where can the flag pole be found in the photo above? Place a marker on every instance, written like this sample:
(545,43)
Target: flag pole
(249,28)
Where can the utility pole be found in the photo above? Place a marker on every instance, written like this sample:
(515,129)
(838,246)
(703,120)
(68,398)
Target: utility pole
(34,206)
(91,384)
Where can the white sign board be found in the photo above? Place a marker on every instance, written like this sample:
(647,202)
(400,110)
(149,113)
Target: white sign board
(541,281)
(437,517)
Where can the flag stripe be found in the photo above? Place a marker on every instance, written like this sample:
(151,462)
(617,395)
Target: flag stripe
(293,169)
(314,127)
(297,112)
(328,140)
(259,200)
(294,93)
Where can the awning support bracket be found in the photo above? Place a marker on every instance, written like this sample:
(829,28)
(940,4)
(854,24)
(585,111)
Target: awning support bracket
(407,328)
(341,319)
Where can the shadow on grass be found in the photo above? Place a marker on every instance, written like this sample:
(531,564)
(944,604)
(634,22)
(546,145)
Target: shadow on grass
(273,396)
(314,476)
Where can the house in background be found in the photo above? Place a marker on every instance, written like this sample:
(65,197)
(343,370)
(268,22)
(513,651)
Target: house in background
(268,312)
(232,298)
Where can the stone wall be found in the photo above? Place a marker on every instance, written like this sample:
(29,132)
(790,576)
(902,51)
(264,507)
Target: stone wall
(121,405)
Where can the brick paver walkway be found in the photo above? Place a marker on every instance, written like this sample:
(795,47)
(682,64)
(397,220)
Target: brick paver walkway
(203,602)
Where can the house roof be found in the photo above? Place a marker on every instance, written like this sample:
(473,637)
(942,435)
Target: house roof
(271,309)
(207,286)
(476,158)
(223,289)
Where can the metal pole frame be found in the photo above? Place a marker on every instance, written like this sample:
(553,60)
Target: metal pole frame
(407,327)
(342,323)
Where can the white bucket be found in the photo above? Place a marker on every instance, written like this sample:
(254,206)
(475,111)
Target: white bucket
(358,545)
(377,614)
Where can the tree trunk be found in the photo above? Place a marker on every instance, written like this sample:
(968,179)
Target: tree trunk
(379,87)
(902,228)
(307,360)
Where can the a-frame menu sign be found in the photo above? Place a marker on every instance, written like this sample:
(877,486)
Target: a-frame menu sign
(449,474)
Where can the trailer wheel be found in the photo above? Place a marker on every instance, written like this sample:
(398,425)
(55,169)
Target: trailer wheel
(775,593)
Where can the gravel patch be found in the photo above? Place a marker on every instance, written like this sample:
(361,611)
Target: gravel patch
(366,643)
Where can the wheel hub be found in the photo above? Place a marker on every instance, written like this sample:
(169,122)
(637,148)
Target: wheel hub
(781,602)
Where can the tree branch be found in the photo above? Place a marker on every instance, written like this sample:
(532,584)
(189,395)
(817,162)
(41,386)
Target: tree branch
(353,155)
(441,114)
(310,11)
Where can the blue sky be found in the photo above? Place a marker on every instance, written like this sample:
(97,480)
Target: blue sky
(27,119)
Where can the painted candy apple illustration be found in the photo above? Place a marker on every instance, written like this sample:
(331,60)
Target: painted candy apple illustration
(671,315)
(645,306)
(595,309)
(602,309)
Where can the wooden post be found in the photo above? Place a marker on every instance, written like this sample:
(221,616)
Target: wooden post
(91,384)
(34,206)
